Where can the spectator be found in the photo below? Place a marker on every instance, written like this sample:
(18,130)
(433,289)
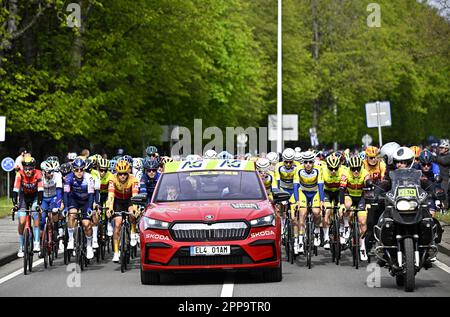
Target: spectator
(443,160)
(18,163)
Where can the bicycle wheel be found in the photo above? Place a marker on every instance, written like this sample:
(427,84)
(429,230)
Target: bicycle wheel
(66,252)
(309,238)
(55,241)
(338,246)
(127,246)
(123,261)
(26,251)
(355,244)
(31,251)
(44,245)
(333,241)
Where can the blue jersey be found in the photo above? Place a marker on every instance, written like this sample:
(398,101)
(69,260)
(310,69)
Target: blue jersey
(432,173)
(147,185)
(79,189)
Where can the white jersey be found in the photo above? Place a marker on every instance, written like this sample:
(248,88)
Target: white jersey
(50,185)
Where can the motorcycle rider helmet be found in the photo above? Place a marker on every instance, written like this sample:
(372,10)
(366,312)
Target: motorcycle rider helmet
(404,154)
(387,152)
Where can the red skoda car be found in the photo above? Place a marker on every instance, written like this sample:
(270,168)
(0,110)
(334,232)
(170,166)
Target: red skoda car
(210,215)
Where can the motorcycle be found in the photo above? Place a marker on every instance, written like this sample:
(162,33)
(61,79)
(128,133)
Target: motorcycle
(406,232)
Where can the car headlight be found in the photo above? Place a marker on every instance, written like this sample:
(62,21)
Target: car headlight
(406,205)
(150,223)
(263,221)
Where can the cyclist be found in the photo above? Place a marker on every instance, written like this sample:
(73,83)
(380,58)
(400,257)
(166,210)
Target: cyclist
(112,166)
(149,179)
(27,195)
(429,169)
(332,173)
(105,176)
(284,171)
(79,195)
(273,159)
(308,190)
(53,192)
(262,166)
(121,188)
(71,156)
(351,195)
(210,154)
(152,152)
(374,165)
(92,170)
(164,160)
(417,150)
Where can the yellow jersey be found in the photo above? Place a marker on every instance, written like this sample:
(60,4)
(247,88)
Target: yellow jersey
(354,185)
(332,183)
(308,181)
(285,175)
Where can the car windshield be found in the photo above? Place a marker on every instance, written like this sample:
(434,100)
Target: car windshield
(209,185)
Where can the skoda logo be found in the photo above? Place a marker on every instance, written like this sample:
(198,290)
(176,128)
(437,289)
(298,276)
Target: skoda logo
(209,217)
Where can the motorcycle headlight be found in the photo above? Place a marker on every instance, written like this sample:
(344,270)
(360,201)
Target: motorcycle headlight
(263,221)
(406,205)
(150,223)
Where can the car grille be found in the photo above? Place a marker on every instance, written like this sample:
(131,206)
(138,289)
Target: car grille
(238,256)
(223,231)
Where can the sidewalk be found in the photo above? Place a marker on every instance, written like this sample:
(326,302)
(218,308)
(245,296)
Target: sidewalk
(9,242)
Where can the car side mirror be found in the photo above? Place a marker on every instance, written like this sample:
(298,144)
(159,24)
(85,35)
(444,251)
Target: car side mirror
(280,196)
(140,200)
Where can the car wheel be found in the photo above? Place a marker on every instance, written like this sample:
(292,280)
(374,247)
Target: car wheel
(273,275)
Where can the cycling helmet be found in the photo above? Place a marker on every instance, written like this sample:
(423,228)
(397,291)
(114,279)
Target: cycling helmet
(120,152)
(122,166)
(247,156)
(128,158)
(372,151)
(426,157)
(262,164)
(404,154)
(224,155)
(150,164)
(355,162)
(137,163)
(445,143)
(298,156)
(387,152)
(65,168)
(193,157)
(151,150)
(103,163)
(210,154)
(362,155)
(112,165)
(298,149)
(333,161)
(52,159)
(272,157)
(308,156)
(71,156)
(166,159)
(78,163)
(29,162)
(89,165)
(416,150)
(49,166)
(288,154)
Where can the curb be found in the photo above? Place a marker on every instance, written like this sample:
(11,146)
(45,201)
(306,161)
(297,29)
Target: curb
(9,258)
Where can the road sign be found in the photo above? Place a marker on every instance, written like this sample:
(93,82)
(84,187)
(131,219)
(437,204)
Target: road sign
(8,164)
(367,140)
(378,114)
(290,127)
(2,128)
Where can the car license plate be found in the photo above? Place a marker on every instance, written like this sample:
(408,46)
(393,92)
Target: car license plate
(210,250)
(407,192)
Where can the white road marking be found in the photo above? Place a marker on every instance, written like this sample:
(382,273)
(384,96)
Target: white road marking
(442,266)
(227,288)
(18,272)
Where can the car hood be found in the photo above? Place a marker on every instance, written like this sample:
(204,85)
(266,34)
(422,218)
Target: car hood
(209,211)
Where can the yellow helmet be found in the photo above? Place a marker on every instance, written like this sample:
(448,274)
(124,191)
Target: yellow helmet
(122,166)
(333,161)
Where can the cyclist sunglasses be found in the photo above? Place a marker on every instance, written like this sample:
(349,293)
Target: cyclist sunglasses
(427,164)
(152,170)
(288,162)
(28,168)
(77,170)
(122,174)
(103,171)
(308,162)
(335,169)
(355,169)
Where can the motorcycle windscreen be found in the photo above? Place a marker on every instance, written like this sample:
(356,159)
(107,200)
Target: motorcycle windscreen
(405,177)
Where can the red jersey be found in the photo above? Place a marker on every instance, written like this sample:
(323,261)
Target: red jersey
(29,185)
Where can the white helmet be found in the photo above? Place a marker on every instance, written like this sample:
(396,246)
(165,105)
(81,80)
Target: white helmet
(210,154)
(71,156)
(272,157)
(308,156)
(445,143)
(224,155)
(193,157)
(262,164)
(404,154)
(298,149)
(288,154)
(387,152)
(298,156)
(49,166)
(137,163)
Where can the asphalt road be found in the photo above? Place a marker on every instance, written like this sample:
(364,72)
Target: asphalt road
(324,279)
